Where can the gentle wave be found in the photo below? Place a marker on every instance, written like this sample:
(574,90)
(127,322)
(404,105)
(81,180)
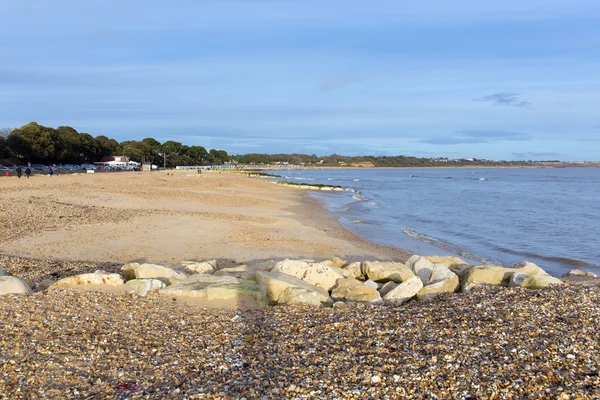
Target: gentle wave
(445,245)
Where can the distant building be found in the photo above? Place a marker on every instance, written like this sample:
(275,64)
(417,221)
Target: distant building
(117,161)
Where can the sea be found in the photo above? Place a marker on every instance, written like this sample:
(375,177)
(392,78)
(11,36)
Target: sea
(502,216)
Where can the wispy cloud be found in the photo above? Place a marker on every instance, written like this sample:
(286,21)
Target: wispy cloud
(506,99)
(477,136)
(339,82)
(533,154)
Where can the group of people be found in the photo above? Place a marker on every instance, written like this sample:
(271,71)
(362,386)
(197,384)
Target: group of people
(19,171)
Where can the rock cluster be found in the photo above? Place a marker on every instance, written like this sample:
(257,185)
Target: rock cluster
(305,281)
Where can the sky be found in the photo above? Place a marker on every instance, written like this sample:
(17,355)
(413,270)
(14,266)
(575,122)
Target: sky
(508,79)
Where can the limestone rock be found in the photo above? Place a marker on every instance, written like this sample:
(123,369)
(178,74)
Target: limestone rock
(404,291)
(142,287)
(277,282)
(387,288)
(421,266)
(372,284)
(486,275)
(295,295)
(517,279)
(540,281)
(442,280)
(98,278)
(529,268)
(386,271)
(318,274)
(338,262)
(240,271)
(447,261)
(151,271)
(573,272)
(225,289)
(201,267)
(354,270)
(12,285)
(350,289)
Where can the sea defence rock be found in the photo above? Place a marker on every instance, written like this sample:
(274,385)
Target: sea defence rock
(573,272)
(541,281)
(386,288)
(354,270)
(517,279)
(442,280)
(241,271)
(421,267)
(372,284)
(530,268)
(404,291)
(447,261)
(12,285)
(142,287)
(200,267)
(350,289)
(98,278)
(210,288)
(386,271)
(276,283)
(151,271)
(294,295)
(486,275)
(338,262)
(317,274)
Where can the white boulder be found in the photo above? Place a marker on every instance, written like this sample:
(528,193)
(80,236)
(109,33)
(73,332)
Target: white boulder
(276,283)
(200,267)
(151,271)
(98,278)
(295,295)
(321,275)
(12,285)
(142,287)
(404,291)
(350,289)
(387,271)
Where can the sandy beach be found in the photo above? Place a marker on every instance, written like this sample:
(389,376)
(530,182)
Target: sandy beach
(493,342)
(169,217)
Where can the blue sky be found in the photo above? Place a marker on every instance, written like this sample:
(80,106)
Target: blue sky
(468,78)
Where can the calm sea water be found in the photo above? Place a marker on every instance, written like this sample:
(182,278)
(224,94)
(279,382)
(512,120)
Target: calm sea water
(504,216)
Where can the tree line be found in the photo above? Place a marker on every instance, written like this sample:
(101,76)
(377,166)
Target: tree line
(64,145)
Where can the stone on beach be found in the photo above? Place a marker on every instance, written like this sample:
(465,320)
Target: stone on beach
(217,288)
(151,271)
(442,280)
(421,266)
(201,267)
(355,270)
(386,271)
(573,272)
(528,268)
(142,287)
(517,279)
(13,285)
(404,291)
(240,271)
(338,262)
(98,278)
(295,295)
(540,281)
(372,284)
(350,289)
(317,274)
(386,288)
(486,275)
(277,282)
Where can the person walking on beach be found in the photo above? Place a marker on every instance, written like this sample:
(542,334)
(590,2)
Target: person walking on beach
(50,171)
(19,172)
(27,172)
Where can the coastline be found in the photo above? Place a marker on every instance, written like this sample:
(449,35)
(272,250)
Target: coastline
(66,342)
(111,218)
